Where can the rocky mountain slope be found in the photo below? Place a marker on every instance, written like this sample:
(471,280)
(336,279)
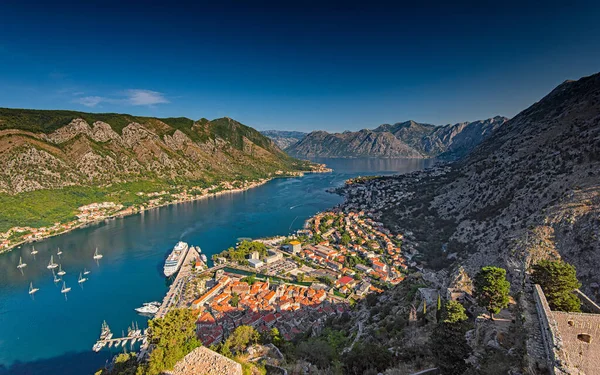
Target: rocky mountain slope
(402,140)
(529,192)
(284,138)
(55,149)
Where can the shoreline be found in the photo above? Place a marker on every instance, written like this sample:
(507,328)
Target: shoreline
(142,209)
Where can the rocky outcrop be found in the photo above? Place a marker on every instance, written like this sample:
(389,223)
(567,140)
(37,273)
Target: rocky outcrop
(206,362)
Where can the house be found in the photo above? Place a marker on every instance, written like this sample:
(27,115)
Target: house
(378,266)
(342,281)
(273,257)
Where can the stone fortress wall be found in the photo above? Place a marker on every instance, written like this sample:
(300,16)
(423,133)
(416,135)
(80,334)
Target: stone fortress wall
(571,340)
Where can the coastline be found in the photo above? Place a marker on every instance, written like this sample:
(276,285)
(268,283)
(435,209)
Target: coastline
(138,210)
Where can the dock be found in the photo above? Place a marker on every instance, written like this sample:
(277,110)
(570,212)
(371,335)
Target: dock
(172,297)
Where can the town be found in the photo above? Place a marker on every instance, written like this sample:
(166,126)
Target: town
(295,283)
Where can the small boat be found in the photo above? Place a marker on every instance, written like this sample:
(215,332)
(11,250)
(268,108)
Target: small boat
(33,250)
(65,289)
(98,346)
(52,265)
(85,271)
(97,255)
(21,264)
(147,308)
(203,257)
(81,279)
(59,252)
(56,278)
(60,271)
(32,290)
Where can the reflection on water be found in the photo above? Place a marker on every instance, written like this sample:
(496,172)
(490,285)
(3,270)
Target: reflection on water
(38,331)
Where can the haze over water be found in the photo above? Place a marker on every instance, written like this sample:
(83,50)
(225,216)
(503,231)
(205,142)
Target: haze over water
(51,335)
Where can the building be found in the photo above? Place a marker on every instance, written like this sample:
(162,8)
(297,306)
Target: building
(295,247)
(255,263)
(254,255)
(571,340)
(273,257)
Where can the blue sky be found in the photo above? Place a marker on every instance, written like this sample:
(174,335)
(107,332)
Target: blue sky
(313,65)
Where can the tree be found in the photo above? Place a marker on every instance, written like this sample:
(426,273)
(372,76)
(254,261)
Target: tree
(235,300)
(438,310)
(345,240)
(450,348)
(491,289)
(300,277)
(241,338)
(173,337)
(454,312)
(558,280)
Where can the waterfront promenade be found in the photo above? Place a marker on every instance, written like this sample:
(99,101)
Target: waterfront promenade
(174,292)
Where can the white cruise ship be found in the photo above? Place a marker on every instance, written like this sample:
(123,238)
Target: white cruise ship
(175,259)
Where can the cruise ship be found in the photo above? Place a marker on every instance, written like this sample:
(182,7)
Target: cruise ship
(175,259)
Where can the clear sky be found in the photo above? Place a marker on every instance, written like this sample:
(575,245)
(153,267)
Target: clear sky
(295,67)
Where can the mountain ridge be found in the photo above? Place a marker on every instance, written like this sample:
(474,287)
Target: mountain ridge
(410,140)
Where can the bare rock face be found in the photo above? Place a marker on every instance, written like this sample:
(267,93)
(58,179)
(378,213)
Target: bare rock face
(401,140)
(206,362)
(76,127)
(102,132)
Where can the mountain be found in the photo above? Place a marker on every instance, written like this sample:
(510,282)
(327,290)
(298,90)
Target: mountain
(528,193)
(54,149)
(364,143)
(284,138)
(408,139)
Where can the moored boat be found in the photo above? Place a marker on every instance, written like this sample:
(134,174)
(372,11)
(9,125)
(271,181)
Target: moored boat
(175,259)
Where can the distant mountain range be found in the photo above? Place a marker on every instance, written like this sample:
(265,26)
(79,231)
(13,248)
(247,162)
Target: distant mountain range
(408,139)
(284,138)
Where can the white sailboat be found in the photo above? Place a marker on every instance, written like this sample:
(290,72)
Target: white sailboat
(85,271)
(81,279)
(60,271)
(33,250)
(59,252)
(52,265)
(97,255)
(32,290)
(56,278)
(64,289)
(21,264)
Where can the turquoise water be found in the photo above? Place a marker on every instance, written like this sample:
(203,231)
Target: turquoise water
(49,334)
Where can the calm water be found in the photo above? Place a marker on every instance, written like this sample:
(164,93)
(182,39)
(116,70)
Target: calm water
(49,334)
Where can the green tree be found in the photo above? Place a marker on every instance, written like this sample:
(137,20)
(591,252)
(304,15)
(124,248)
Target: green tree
(345,240)
(454,312)
(241,338)
(173,337)
(300,277)
(235,300)
(491,289)
(450,347)
(558,280)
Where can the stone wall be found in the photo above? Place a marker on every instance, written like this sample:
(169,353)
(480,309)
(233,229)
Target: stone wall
(588,304)
(571,340)
(550,336)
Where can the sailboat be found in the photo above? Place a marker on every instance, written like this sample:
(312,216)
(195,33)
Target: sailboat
(59,252)
(21,264)
(64,289)
(81,279)
(56,278)
(97,255)
(33,250)
(85,271)
(52,265)
(32,290)
(60,271)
